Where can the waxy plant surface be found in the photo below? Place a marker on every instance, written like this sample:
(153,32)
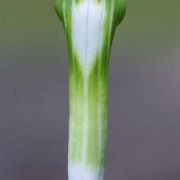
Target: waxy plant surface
(89,26)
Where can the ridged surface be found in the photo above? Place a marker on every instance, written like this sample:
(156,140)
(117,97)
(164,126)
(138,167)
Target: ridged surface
(89,26)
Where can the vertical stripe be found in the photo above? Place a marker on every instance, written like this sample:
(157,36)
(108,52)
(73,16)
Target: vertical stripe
(89,26)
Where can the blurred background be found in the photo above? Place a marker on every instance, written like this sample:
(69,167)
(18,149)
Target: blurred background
(144,93)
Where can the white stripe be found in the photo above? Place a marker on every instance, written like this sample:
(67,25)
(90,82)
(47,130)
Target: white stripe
(85,98)
(81,172)
(86,43)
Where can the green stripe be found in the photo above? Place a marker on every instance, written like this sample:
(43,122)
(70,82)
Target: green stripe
(88,91)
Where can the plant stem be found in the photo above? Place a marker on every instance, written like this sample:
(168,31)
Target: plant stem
(89,27)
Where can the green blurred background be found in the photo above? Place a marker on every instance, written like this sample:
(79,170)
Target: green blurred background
(144,93)
(32,26)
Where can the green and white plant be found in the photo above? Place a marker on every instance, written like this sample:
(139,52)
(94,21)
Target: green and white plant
(89,26)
